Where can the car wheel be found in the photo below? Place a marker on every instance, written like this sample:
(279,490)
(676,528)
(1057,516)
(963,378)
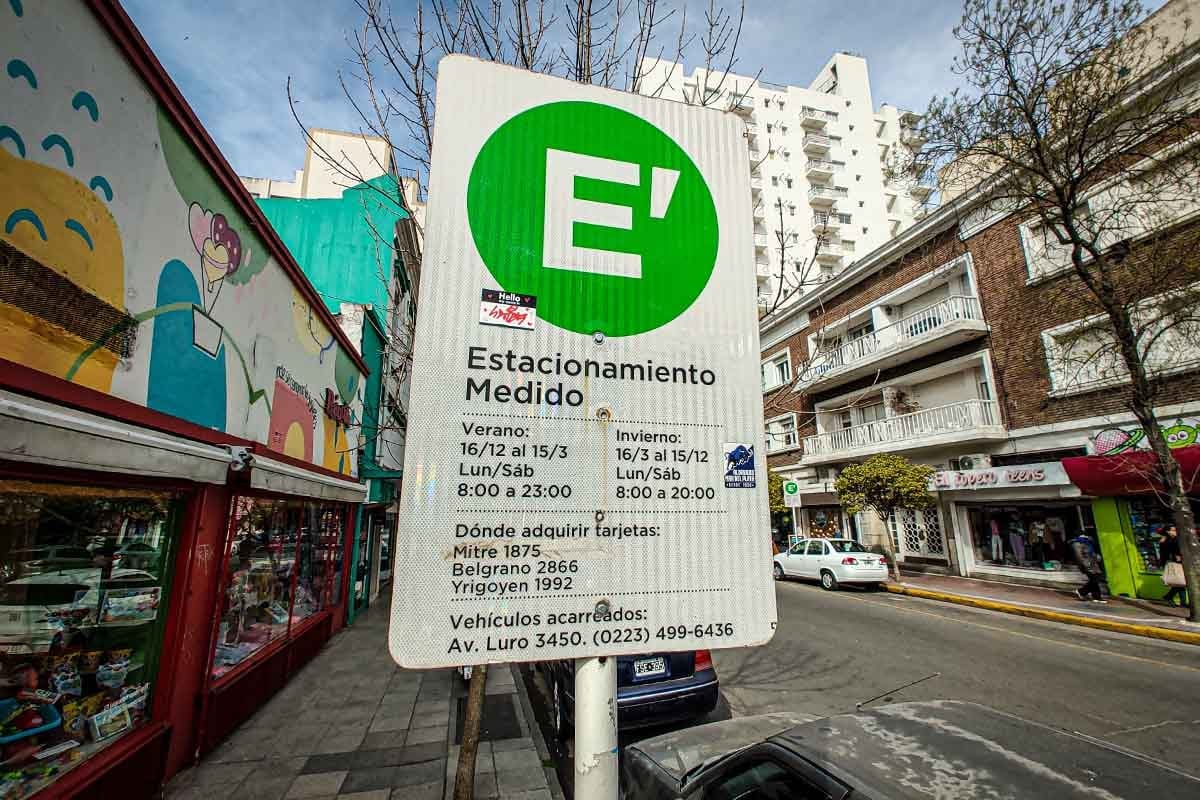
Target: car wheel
(556,709)
(828,581)
(778,572)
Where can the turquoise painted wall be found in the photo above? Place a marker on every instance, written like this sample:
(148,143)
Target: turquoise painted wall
(335,241)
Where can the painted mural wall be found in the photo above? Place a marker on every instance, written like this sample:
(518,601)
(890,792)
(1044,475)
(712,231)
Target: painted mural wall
(124,267)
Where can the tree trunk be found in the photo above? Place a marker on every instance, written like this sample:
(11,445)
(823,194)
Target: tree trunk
(1166,466)
(464,777)
(888,550)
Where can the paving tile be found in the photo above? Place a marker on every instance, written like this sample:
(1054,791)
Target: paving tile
(536,794)
(416,774)
(326,762)
(388,723)
(383,739)
(188,793)
(341,742)
(425,791)
(272,788)
(430,719)
(431,707)
(377,794)
(389,757)
(423,752)
(210,775)
(426,735)
(369,779)
(521,780)
(517,759)
(324,784)
(503,745)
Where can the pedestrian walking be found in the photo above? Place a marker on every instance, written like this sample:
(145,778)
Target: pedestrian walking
(1172,561)
(1089,563)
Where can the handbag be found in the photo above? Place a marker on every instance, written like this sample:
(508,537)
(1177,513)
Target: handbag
(1173,574)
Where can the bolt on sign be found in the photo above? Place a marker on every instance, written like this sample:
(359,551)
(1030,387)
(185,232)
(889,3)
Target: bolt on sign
(582,473)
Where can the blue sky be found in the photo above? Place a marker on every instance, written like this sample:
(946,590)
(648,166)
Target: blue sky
(232,59)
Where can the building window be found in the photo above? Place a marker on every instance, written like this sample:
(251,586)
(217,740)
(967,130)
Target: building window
(776,371)
(789,182)
(84,594)
(783,129)
(774,180)
(781,433)
(872,413)
(845,420)
(285,565)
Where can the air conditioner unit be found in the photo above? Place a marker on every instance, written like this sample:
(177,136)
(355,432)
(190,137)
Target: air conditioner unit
(975,461)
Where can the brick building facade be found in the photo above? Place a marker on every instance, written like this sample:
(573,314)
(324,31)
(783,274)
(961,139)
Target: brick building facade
(937,347)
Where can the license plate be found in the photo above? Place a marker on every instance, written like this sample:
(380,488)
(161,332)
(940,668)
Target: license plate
(647,667)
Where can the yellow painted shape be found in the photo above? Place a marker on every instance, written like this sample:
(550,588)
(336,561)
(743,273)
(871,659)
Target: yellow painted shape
(310,331)
(41,345)
(335,443)
(57,197)
(293,443)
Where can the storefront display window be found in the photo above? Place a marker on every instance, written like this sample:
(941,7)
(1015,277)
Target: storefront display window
(1028,536)
(1149,520)
(84,576)
(285,564)
(825,521)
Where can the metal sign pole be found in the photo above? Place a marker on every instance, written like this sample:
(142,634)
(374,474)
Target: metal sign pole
(596,728)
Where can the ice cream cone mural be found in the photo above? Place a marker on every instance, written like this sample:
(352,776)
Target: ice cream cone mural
(219,248)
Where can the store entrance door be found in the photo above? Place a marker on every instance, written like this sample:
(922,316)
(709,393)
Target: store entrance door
(362,570)
(917,534)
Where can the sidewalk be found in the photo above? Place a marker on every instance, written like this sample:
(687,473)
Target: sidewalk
(353,725)
(1119,615)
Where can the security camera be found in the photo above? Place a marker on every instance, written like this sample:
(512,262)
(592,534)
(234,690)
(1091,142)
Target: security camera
(240,458)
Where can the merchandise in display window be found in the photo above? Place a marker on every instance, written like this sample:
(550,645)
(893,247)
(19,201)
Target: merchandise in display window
(1149,520)
(84,573)
(1031,537)
(825,521)
(285,565)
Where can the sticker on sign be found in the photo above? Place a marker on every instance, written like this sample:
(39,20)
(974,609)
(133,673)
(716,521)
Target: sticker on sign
(579,473)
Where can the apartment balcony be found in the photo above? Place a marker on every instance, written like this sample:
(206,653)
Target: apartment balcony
(760,213)
(830,253)
(913,137)
(965,421)
(828,222)
(826,196)
(760,241)
(755,155)
(817,144)
(921,192)
(952,321)
(743,105)
(820,168)
(814,119)
(756,185)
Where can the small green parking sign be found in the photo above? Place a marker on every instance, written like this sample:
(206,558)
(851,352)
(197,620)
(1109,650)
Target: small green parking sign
(791,493)
(615,233)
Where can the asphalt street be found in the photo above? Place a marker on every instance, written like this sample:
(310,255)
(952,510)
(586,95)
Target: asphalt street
(834,649)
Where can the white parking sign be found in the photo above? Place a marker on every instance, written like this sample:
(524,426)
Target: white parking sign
(583,470)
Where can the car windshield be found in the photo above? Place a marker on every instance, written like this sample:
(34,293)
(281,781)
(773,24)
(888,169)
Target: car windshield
(846,546)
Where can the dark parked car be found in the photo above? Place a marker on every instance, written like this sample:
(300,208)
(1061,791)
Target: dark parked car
(905,751)
(654,689)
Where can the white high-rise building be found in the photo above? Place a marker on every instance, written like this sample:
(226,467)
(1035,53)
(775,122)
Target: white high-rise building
(826,167)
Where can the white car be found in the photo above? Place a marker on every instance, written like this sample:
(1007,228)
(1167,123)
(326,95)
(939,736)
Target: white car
(832,561)
(38,613)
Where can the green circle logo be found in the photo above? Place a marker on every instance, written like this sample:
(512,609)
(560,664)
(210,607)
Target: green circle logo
(597,213)
(791,487)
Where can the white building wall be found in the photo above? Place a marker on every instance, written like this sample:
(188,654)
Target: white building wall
(864,141)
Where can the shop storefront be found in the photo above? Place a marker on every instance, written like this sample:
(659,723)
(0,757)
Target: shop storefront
(1015,523)
(1131,516)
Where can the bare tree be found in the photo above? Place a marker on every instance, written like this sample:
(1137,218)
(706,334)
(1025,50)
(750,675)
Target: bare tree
(1080,118)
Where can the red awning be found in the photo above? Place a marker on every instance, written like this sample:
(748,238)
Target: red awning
(1130,473)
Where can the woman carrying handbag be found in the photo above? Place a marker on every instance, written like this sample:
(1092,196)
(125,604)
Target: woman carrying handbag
(1168,551)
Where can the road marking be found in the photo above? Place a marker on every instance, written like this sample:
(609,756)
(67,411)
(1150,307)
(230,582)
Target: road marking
(1168,665)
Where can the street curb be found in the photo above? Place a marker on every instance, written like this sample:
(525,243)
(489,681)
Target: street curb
(1150,631)
(535,733)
